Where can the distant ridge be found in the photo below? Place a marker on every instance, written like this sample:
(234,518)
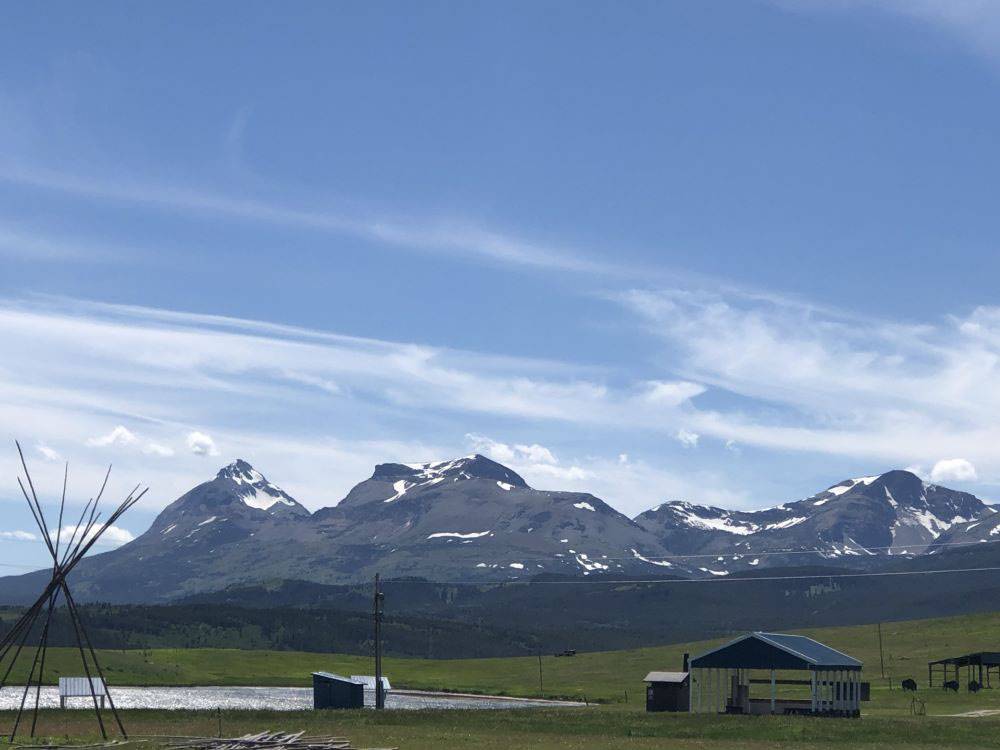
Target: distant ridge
(471,518)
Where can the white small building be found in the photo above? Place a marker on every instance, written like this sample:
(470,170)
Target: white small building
(78,687)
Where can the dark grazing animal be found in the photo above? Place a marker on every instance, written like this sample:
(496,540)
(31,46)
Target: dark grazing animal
(910,685)
(951,685)
(974,687)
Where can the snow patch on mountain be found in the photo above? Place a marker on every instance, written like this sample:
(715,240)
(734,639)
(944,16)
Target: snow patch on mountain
(458,535)
(400,488)
(687,514)
(264,498)
(587,564)
(787,523)
(850,484)
(585,506)
(660,563)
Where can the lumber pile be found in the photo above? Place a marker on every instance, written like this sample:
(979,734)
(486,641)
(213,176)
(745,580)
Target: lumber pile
(265,741)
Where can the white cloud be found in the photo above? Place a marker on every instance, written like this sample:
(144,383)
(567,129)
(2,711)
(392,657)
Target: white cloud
(20,536)
(687,438)
(201,444)
(566,473)
(114,536)
(532,460)
(155,449)
(672,393)
(637,485)
(623,458)
(49,454)
(953,469)
(120,435)
(777,375)
(815,379)
(518,453)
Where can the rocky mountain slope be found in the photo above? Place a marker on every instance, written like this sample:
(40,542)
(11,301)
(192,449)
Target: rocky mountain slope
(858,522)
(474,517)
(474,520)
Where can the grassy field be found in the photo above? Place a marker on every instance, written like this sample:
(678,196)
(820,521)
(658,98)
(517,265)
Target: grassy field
(612,678)
(602,676)
(598,728)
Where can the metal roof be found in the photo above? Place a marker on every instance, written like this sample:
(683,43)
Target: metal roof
(775,651)
(991,658)
(369,681)
(675,677)
(332,676)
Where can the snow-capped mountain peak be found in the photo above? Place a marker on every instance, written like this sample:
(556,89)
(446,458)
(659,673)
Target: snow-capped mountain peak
(895,513)
(253,488)
(240,472)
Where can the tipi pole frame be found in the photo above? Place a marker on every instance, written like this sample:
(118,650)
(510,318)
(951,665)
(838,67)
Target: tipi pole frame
(83,538)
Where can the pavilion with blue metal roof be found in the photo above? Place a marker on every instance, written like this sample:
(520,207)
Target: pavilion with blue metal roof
(722,678)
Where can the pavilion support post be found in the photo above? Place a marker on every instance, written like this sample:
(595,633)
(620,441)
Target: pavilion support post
(812,691)
(701,674)
(774,691)
(709,701)
(717,687)
(720,678)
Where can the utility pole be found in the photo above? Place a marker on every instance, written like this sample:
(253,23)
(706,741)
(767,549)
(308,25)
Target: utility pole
(541,691)
(377,616)
(881,657)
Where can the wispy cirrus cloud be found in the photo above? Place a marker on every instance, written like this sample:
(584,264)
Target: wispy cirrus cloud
(146,377)
(457,238)
(737,370)
(974,22)
(812,379)
(20,243)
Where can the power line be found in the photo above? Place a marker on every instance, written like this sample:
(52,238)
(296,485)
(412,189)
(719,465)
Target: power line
(717,579)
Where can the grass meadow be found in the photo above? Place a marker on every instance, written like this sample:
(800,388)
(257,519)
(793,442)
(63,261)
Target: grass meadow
(610,680)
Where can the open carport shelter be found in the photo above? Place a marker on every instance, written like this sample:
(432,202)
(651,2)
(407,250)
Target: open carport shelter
(979,664)
(722,678)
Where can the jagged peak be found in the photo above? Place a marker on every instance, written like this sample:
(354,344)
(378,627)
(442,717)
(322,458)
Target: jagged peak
(240,471)
(254,489)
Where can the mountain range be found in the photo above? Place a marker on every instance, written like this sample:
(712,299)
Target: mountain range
(474,521)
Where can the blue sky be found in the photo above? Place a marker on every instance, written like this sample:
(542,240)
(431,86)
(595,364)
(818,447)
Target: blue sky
(725,252)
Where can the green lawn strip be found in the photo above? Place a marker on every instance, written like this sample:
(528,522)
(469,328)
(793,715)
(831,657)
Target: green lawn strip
(555,728)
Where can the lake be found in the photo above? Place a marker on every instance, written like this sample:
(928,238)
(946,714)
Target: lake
(264,698)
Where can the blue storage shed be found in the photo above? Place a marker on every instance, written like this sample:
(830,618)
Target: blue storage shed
(335,691)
